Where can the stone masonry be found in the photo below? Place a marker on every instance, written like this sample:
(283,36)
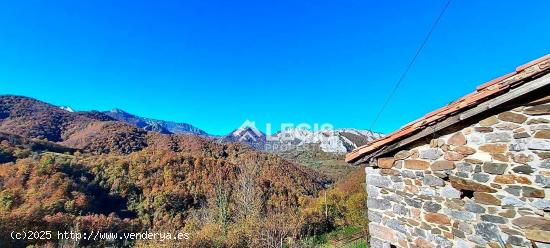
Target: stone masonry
(485,184)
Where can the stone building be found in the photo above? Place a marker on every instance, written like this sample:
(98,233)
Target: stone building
(475,173)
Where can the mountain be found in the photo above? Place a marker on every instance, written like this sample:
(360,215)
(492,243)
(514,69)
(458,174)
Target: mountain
(247,134)
(165,127)
(89,132)
(62,170)
(31,118)
(67,108)
(338,141)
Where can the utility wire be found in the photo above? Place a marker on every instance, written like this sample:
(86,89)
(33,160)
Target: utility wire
(411,63)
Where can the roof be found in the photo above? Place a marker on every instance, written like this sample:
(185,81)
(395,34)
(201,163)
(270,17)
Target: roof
(484,92)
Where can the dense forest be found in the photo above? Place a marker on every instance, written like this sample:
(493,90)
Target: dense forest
(84,172)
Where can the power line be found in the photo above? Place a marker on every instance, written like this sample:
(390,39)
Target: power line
(411,63)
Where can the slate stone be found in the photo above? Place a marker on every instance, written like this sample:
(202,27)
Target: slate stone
(373,191)
(457,139)
(489,121)
(532,222)
(483,129)
(437,218)
(476,138)
(514,190)
(443,242)
(488,231)
(442,165)
(508,213)
(485,198)
(379,181)
(377,243)
(523,169)
(453,156)
(539,144)
(507,126)
(541,238)
(517,241)
(516,147)
(449,192)
(431,207)
(462,174)
(478,167)
(493,148)
(381,204)
(419,232)
(543,134)
(539,127)
(542,204)
(464,167)
(462,226)
(478,240)
(480,177)
(400,209)
(532,192)
(460,183)
(414,164)
(510,231)
(494,168)
(394,198)
(454,204)
(465,150)
(458,233)
(521,158)
(543,181)
(413,202)
(493,219)
(426,191)
(397,225)
(535,121)
(431,154)
(512,117)
(521,135)
(408,174)
(374,216)
(512,201)
(461,215)
(403,154)
(498,137)
(386,163)
(474,208)
(396,179)
(538,110)
(433,181)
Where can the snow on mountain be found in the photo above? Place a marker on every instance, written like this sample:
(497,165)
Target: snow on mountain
(337,141)
(330,141)
(154,125)
(248,134)
(67,108)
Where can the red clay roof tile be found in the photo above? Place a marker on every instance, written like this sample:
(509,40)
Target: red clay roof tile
(483,92)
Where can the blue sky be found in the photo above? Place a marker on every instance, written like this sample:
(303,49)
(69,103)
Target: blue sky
(215,64)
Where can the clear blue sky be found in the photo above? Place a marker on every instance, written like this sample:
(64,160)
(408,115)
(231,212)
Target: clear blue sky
(215,64)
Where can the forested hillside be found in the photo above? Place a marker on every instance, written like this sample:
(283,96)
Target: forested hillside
(84,171)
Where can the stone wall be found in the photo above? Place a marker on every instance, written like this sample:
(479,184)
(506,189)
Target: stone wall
(486,184)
